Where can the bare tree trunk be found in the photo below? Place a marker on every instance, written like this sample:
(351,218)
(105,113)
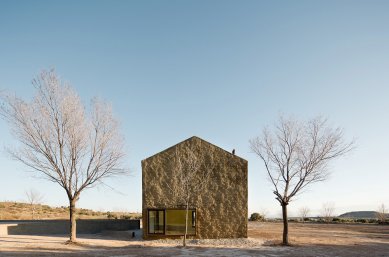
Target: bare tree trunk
(72,213)
(285,240)
(186,224)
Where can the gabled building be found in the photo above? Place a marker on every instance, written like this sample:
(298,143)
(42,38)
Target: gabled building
(219,211)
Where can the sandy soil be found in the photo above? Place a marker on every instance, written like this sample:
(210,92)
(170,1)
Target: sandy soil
(326,239)
(307,239)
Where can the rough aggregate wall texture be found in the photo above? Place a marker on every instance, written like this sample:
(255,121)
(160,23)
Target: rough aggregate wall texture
(221,207)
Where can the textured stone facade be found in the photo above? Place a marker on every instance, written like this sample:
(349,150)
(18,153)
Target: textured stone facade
(221,209)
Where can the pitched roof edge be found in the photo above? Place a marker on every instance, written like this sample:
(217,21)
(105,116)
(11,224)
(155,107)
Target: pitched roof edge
(190,138)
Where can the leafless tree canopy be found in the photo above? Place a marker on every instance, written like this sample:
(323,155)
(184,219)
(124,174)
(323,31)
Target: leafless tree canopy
(304,212)
(191,173)
(382,213)
(328,211)
(60,140)
(297,154)
(33,198)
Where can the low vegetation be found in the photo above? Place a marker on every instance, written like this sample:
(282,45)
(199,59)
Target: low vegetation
(22,211)
(344,218)
(256,217)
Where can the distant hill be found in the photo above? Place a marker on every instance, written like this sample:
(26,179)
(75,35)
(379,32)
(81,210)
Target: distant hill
(360,215)
(23,211)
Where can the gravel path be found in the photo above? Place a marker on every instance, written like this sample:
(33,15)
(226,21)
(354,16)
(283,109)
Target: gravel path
(217,243)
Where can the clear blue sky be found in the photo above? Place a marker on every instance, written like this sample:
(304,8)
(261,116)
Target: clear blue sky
(220,70)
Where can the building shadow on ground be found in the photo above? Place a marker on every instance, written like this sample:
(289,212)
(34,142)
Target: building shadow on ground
(85,250)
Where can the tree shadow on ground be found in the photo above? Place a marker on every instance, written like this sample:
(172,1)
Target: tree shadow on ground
(367,249)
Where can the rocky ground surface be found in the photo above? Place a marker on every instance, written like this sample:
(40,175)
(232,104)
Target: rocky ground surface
(219,243)
(322,240)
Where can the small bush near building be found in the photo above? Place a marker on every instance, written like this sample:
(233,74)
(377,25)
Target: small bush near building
(256,217)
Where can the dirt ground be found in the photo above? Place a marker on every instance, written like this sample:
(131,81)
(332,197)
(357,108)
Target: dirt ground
(320,240)
(327,239)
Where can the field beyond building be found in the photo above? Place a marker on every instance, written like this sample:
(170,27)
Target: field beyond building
(23,211)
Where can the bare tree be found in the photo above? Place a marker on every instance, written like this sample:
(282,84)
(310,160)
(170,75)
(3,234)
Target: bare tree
(58,139)
(381,213)
(264,212)
(190,175)
(297,154)
(328,212)
(304,212)
(33,198)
